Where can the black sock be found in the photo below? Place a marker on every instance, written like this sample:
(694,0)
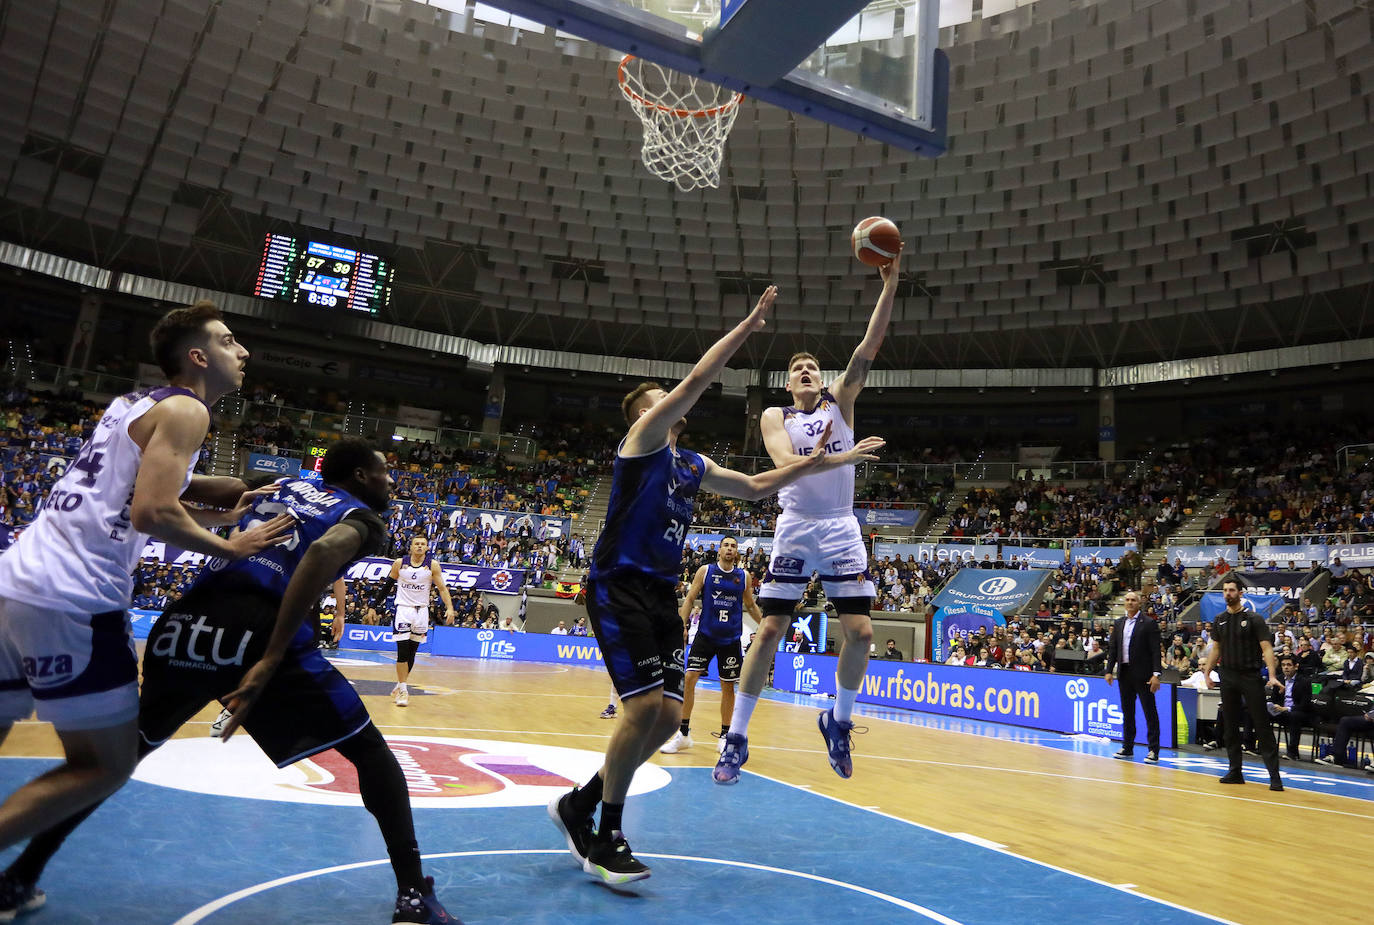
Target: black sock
(685,727)
(585,798)
(724,730)
(384,793)
(610,818)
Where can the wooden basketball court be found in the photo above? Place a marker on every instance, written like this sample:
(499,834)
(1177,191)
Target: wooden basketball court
(1167,832)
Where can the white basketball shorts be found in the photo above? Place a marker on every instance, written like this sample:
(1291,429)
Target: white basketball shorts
(411,623)
(832,546)
(79,670)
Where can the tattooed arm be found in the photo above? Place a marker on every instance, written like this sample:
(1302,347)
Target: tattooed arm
(847,387)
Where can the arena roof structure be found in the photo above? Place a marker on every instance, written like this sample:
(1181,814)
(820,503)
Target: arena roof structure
(1127,181)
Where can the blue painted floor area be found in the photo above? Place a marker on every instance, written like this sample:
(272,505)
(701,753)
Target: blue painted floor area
(1297,775)
(155,855)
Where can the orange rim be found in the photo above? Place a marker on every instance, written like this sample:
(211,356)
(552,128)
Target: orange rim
(679,113)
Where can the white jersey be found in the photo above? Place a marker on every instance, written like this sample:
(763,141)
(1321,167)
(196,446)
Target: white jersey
(821,494)
(80,553)
(413,583)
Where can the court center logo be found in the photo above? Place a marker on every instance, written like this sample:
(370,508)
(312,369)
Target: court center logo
(440,773)
(995,587)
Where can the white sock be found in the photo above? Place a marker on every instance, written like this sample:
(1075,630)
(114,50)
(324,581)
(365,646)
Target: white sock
(744,710)
(844,701)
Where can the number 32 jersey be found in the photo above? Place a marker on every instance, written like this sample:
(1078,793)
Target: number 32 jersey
(80,553)
(820,494)
(649,513)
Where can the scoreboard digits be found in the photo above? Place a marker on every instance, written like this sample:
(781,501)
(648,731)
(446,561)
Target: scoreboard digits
(323,274)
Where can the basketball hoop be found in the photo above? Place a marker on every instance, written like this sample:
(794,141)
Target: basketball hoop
(686,121)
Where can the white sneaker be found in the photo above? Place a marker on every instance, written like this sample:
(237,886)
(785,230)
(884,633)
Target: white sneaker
(677,743)
(402,697)
(1327,759)
(217,727)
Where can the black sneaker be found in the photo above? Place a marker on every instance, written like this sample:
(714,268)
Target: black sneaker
(422,908)
(1152,756)
(16,897)
(576,830)
(1124,753)
(610,860)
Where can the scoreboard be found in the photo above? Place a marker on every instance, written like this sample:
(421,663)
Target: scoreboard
(315,273)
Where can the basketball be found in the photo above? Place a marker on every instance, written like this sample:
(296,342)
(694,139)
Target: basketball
(876,241)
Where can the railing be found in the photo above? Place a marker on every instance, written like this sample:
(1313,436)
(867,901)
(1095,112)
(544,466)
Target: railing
(384,430)
(50,375)
(981,471)
(1256,544)
(1355,456)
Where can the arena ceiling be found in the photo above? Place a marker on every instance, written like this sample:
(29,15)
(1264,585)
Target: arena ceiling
(1127,180)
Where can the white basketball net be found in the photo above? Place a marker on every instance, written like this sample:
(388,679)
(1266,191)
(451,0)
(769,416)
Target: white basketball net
(686,121)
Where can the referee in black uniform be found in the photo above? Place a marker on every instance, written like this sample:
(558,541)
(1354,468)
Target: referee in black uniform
(1242,643)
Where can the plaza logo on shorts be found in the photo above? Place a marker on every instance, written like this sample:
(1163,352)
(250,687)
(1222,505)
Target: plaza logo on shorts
(786,565)
(501,580)
(995,587)
(439,772)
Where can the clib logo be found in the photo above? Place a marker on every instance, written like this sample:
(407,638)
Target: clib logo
(1077,688)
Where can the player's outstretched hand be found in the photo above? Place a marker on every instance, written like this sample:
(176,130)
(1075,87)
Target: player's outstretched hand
(864,451)
(893,270)
(757,318)
(259,536)
(241,700)
(249,498)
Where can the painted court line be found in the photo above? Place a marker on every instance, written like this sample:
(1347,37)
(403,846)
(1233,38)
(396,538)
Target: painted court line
(210,908)
(1079,777)
(1012,854)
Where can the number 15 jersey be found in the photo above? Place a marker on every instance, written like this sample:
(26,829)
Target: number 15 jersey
(80,553)
(649,513)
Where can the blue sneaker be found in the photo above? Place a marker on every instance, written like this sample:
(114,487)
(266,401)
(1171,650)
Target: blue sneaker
(424,908)
(732,758)
(837,742)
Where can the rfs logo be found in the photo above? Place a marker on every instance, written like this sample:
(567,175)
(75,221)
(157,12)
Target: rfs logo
(485,636)
(798,661)
(1077,689)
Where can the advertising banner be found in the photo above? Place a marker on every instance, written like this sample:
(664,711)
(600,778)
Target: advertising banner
(1103,553)
(456,575)
(1265,605)
(887,516)
(276,465)
(1037,557)
(1071,704)
(1204,556)
(935,552)
(1000,590)
(1291,557)
(747,544)
(1360,555)
(468,520)
(951,623)
(498,645)
(1286,584)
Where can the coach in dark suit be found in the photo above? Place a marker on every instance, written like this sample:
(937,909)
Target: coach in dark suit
(1134,652)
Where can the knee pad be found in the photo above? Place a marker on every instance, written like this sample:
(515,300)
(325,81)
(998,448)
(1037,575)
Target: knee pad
(852,604)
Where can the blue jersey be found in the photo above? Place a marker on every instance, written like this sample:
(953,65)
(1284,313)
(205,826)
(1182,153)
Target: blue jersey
(316,507)
(649,513)
(722,610)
